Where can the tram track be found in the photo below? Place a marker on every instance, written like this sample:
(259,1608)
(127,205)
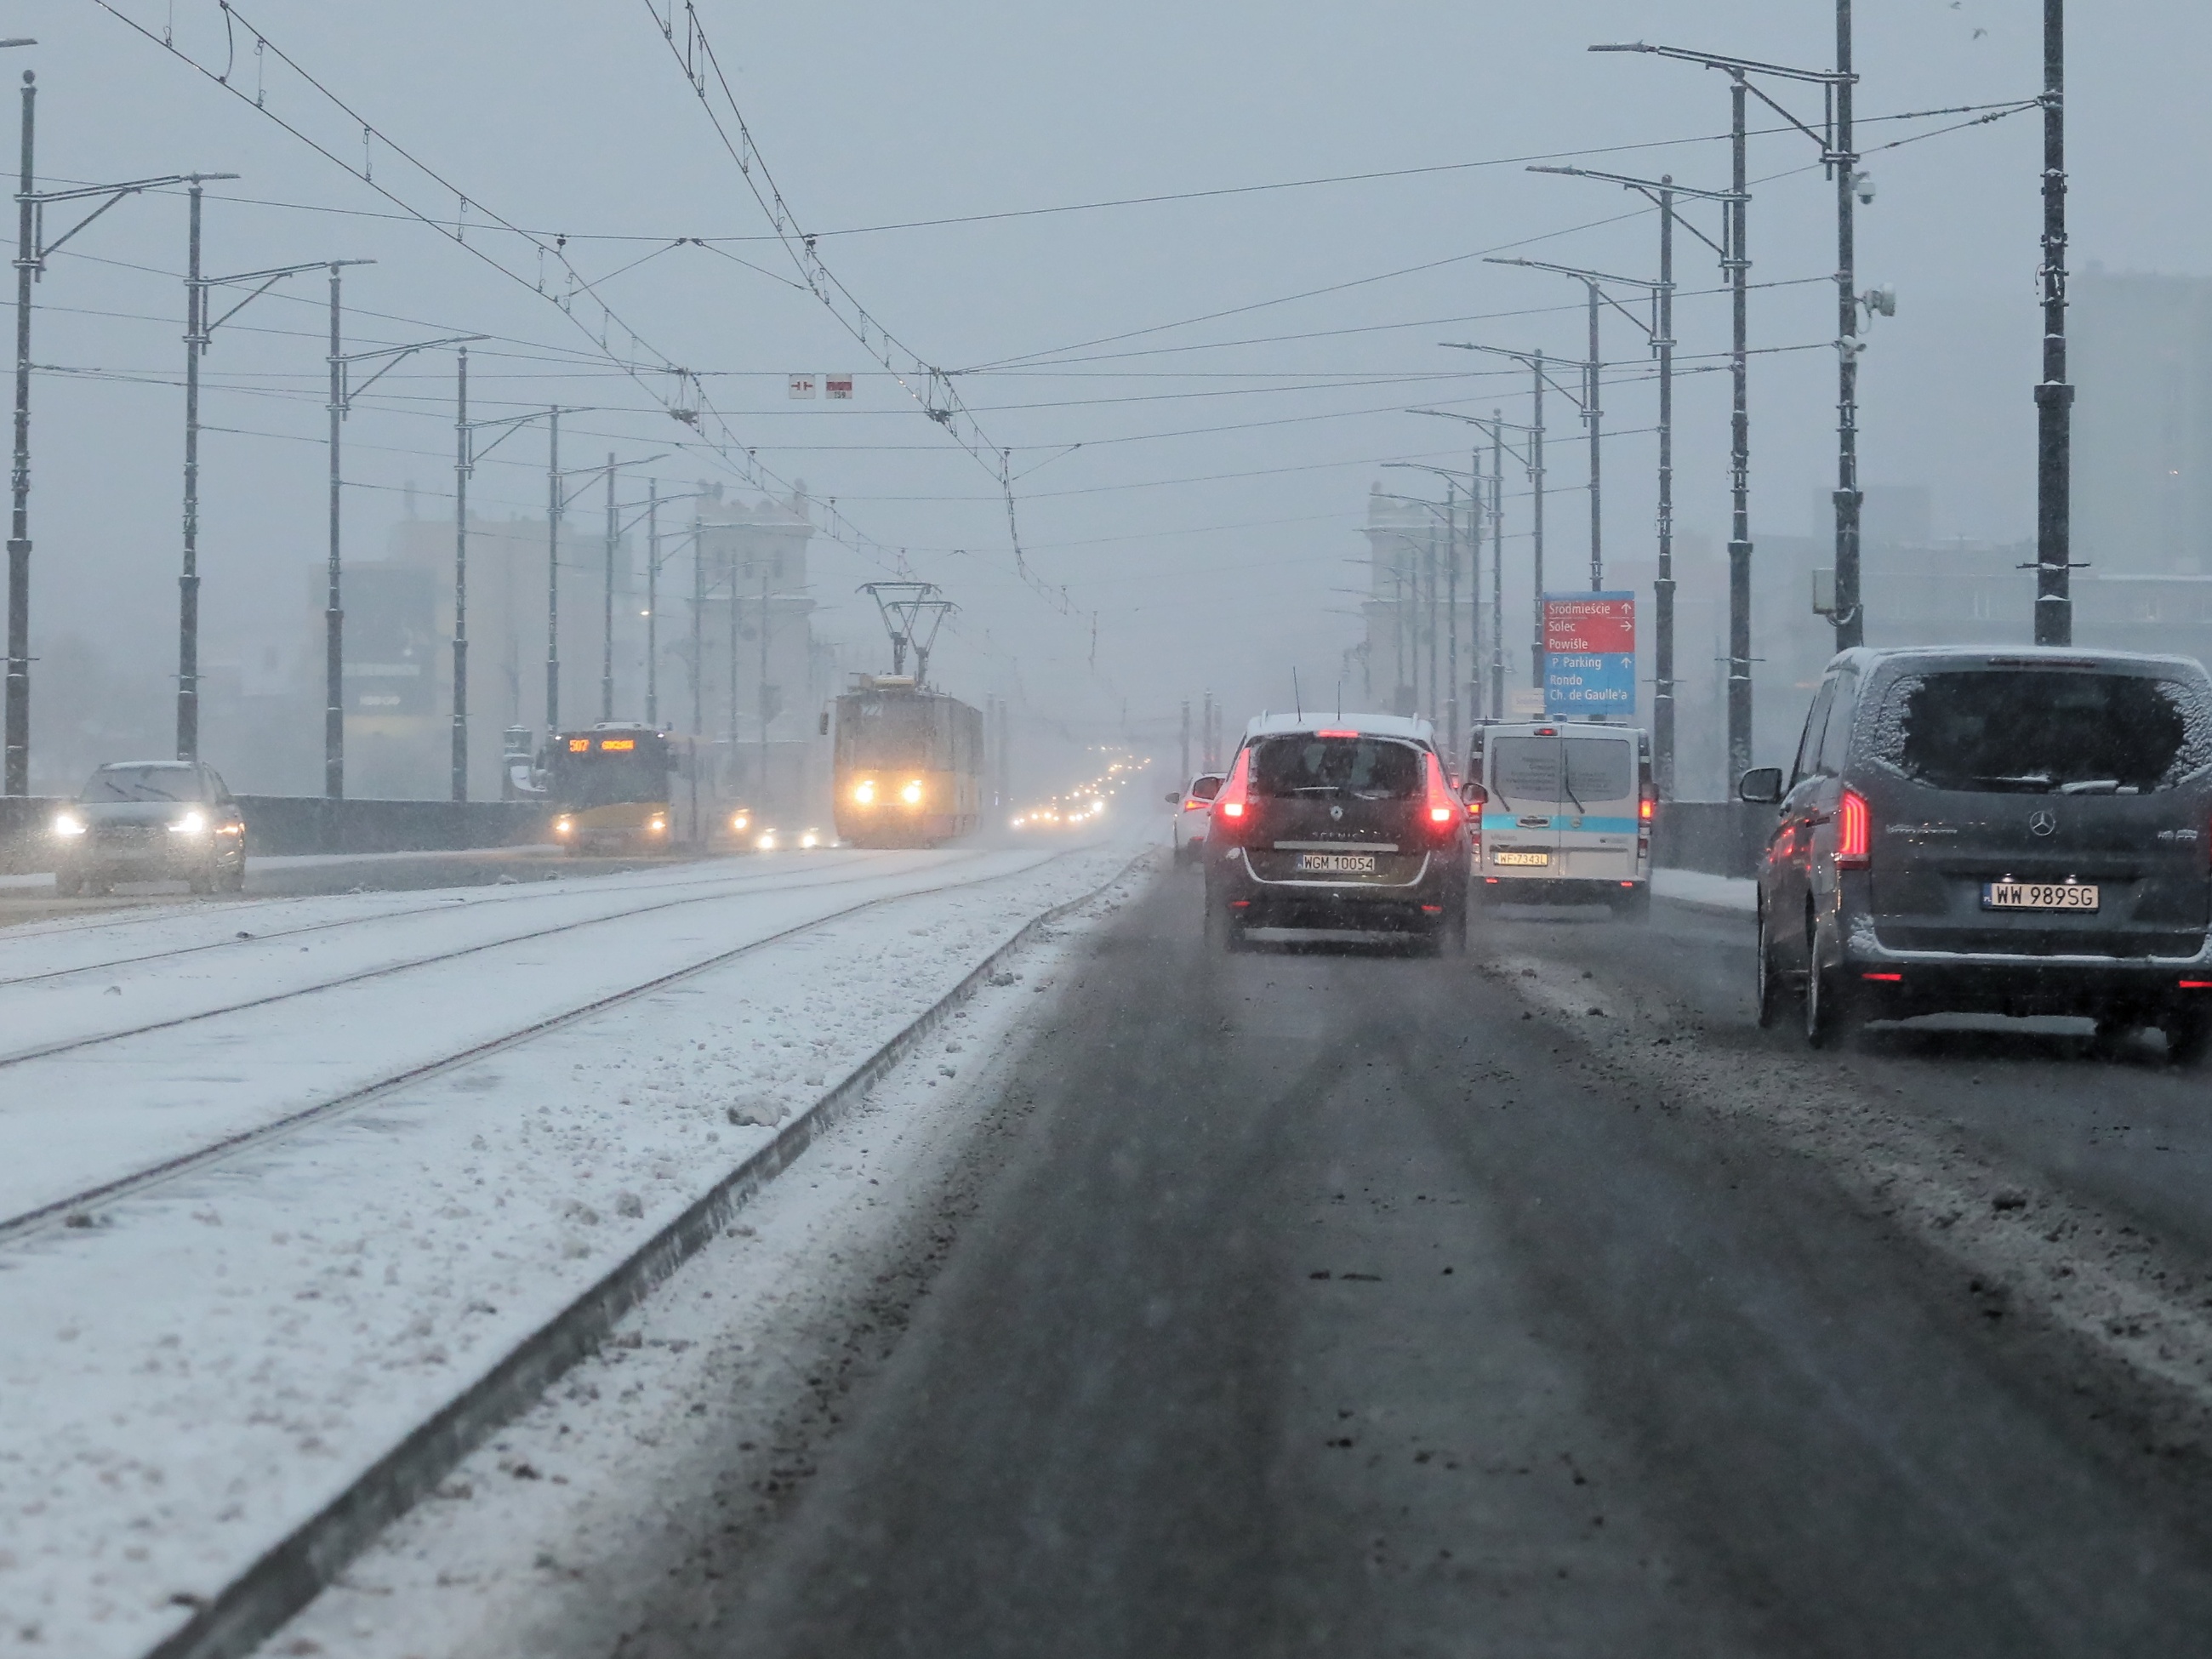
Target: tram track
(76,1208)
(447,905)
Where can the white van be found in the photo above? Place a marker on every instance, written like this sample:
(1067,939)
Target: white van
(1565,814)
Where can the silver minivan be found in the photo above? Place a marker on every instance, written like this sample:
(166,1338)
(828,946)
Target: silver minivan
(1565,814)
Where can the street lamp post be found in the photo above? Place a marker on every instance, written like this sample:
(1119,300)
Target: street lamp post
(466,457)
(2054,397)
(1663,193)
(1834,139)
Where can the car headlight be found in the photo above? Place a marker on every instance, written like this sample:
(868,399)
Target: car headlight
(767,842)
(912,794)
(811,838)
(192,823)
(740,823)
(865,792)
(68,823)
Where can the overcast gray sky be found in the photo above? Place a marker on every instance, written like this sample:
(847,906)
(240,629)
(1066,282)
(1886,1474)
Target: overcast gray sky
(1230,431)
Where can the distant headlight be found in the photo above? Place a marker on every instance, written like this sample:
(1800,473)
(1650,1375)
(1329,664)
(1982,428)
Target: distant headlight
(740,823)
(912,794)
(656,826)
(564,826)
(811,838)
(865,792)
(192,823)
(767,842)
(68,823)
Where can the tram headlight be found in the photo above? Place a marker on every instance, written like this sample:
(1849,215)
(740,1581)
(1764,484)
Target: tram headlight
(865,792)
(912,794)
(68,823)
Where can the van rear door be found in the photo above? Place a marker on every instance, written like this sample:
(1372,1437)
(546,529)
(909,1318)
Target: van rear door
(2001,792)
(1598,826)
(1521,823)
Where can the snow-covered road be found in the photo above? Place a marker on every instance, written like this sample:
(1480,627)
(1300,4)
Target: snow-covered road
(215,1356)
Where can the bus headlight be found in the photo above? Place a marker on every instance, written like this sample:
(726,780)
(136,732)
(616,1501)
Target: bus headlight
(68,823)
(865,792)
(912,794)
(740,823)
(656,827)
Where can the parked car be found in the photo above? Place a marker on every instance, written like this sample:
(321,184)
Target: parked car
(150,821)
(1565,814)
(1346,823)
(1191,806)
(1997,829)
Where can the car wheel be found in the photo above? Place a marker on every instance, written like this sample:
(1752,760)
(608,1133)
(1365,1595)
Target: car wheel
(201,881)
(68,883)
(1827,1015)
(1769,987)
(2188,1034)
(1225,930)
(233,880)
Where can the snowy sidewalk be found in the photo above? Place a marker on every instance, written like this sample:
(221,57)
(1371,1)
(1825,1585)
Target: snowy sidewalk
(1706,892)
(188,1380)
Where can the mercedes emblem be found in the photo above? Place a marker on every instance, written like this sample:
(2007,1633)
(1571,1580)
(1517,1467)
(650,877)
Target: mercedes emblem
(2043,821)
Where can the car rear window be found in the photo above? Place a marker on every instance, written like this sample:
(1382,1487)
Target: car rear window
(1534,769)
(142,783)
(2043,731)
(1374,769)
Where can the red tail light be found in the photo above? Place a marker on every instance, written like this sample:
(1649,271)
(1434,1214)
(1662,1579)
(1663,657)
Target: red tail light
(1644,809)
(1854,832)
(1440,807)
(1232,807)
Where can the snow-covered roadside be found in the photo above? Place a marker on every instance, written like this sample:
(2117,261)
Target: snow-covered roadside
(183,1386)
(725,1382)
(323,860)
(1706,891)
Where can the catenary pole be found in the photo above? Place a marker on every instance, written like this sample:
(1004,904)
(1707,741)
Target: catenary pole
(607,604)
(1451,614)
(1536,527)
(1497,564)
(1739,268)
(1592,419)
(188,583)
(461,470)
(653,603)
(763,679)
(1662,591)
(1850,614)
(2054,397)
(18,764)
(698,629)
(553,575)
(333,603)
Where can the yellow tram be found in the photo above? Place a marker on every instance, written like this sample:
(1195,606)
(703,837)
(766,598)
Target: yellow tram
(907,764)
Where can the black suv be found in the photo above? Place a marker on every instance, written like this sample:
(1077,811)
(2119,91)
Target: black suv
(1997,831)
(1346,823)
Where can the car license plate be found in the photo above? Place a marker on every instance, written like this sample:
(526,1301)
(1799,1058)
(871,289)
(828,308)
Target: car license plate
(2039,895)
(1503,856)
(1336,864)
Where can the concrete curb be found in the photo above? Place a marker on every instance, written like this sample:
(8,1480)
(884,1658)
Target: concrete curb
(255,1605)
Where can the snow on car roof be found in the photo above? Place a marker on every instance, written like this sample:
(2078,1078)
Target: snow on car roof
(1410,727)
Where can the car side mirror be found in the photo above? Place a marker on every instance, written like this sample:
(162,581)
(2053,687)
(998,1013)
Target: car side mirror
(1473,793)
(1761,785)
(1175,797)
(1206,788)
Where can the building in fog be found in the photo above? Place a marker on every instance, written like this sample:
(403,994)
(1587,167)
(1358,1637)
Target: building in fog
(2142,362)
(734,635)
